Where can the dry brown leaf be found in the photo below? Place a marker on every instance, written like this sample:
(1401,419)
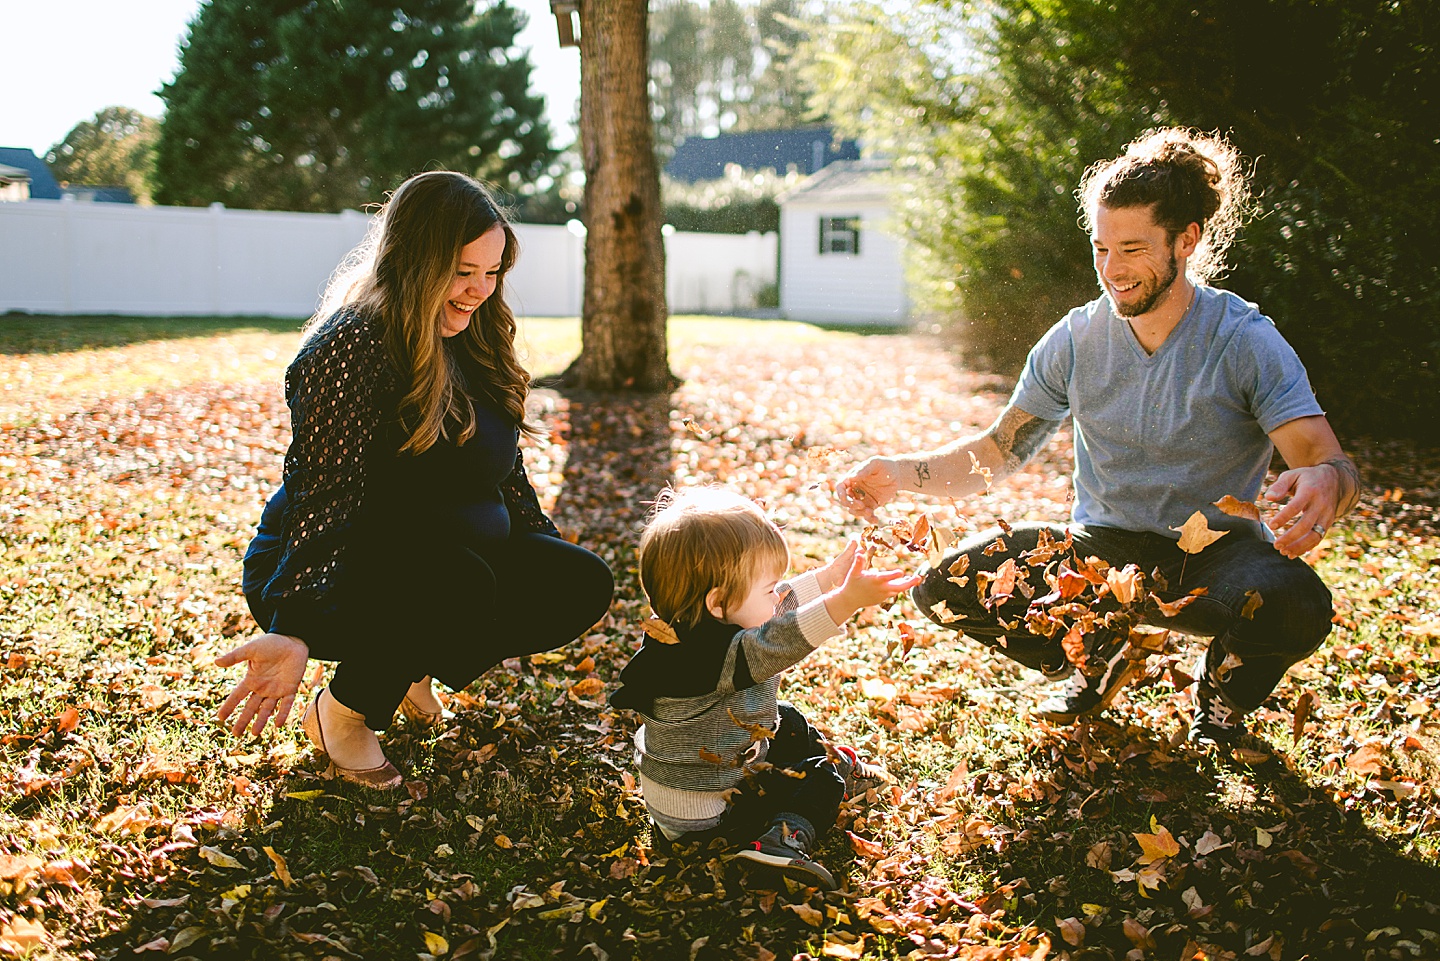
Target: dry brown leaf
(1238,508)
(807,914)
(758,732)
(961,565)
(1196,534)
(1303,705)
(864,847)
(1253,600)
(1173,608)
(920,537)
(984,472)
(1073,644)
(659,630)
(67,720)
(1072,930)
(942,611)
(282,871)
(21,935)
(587,687)
(1369,759)
(1005,575)
(907,638)
(1124,583)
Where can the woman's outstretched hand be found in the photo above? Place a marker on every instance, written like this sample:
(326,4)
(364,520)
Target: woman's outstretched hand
(276,666)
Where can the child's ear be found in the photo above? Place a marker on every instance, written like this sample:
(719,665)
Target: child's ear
(713,604)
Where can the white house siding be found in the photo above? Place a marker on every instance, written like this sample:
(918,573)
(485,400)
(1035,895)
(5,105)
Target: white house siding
(63,257)
(868,287)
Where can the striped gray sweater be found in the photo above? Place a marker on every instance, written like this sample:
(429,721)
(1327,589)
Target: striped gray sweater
(701,699)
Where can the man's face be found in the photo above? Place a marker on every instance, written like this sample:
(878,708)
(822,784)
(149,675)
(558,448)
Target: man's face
(1134,260)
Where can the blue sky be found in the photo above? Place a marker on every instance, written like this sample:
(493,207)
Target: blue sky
(61,61)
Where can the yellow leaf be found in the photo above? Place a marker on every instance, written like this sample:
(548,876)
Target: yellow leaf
(593,911)
(846,951)
(219,858)
(501,841)
(238,893)
(1263,838)
(1253,600)
(659,630)
(1196,535)
(304,795)
(876,689)
(1124,584)
(281,870)
(435,944)
(942,610)
(1161,844)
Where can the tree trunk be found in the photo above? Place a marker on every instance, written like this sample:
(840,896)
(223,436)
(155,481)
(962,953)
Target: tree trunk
(623,321)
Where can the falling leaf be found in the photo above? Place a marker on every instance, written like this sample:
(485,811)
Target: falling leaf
(1069,583)
(758,732)
(961,565)
(281,870)
(942,612)
(1173,608)
(219,858)
(920,538)
(1124,584)
(435,944)
(1253,600)
(1238,508)
(1196,535)
(907,638)
(984,472)
(1005,576)
(1073,644)
(997,547)
(659,630)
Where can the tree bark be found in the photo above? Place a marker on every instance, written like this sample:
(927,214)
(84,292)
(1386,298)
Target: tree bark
(623,320)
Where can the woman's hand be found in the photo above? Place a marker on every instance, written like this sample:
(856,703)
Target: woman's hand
(276,666)
(869,487)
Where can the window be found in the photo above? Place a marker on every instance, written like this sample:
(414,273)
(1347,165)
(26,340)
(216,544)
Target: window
(840,235)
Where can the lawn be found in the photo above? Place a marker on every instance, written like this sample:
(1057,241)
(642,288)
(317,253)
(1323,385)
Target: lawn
(135,456)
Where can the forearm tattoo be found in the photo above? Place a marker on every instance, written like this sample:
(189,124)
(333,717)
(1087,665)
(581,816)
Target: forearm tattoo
(922,473)
(1349,483)
(1020,436)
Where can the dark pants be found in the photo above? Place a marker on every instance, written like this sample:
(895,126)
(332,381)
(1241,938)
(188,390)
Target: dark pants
(1292,621)
(452,614)
(801,780)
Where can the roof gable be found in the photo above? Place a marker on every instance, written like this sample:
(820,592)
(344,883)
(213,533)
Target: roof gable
(807,149)
(42,182)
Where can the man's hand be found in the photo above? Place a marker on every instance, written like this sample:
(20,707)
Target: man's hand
(869,487)
(276,666)
(1314,494)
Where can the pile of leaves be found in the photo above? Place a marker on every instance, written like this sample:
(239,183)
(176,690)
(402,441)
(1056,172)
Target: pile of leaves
(132,825)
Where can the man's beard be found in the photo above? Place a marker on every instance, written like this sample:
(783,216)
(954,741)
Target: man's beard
(1150,295)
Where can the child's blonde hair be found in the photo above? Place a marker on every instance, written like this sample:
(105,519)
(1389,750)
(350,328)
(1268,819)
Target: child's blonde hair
(701,539)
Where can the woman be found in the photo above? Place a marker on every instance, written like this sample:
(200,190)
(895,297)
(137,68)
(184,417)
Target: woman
(406,541)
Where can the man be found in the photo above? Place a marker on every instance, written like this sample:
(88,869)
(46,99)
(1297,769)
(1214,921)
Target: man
(1179,393)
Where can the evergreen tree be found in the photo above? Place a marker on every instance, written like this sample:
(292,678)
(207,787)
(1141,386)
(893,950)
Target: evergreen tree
(325,105)
(992,110)
(115,148)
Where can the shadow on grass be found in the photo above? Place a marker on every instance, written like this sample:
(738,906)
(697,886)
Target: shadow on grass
(35,334)
(1288,863)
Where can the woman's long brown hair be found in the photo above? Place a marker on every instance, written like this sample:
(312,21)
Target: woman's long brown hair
(402,275)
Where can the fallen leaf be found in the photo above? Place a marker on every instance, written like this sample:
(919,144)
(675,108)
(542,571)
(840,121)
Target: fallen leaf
(845,950)
(1196,534)
(876,689)
(1263,838)
(501,841)
(1368,759)
(587,687)
(1210,841)
(1303,703)
(281,870)
(435,944)
(864,847)
(1157,846)
(67,720)
(807,914)
(1072,930)
(218,857)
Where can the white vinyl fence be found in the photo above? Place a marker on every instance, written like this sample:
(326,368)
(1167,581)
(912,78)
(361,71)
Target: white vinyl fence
(65,257)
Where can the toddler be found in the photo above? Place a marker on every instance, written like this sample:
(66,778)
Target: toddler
(711,565)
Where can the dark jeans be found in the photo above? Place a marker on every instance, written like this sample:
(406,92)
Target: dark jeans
(450,613)
(1292,622)
(801,780)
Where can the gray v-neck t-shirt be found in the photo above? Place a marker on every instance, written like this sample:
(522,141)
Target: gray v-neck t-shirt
(1160,436)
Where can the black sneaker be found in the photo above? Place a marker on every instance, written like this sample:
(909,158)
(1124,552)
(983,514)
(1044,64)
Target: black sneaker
(1082,694)
(859,776)
(786,852)
(1214,721)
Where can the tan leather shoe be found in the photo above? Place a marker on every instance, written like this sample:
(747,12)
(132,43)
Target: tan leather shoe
(383,777)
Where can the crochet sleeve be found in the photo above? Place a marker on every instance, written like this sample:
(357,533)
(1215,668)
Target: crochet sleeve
(334,389)
(524,506)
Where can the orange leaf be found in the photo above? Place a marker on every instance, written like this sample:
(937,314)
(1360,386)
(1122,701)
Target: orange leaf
(1125,583)
(1069,584)
(1303,704)
(1005,576)
(1073,644)
(588,687)
(585,666)
(1170,610)
(919,540)
(1196,534)
(758,732)
(1238,508)
(281,870)
(942,611)
(864,847)
(1161,844)
(67,720)
(961,565)
(660,630)
(907,638)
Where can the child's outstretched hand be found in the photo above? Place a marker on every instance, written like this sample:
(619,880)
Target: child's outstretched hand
(856,586)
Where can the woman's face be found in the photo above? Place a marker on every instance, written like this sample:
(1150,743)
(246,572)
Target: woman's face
(474,280)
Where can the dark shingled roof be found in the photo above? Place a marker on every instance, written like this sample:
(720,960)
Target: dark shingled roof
(808,149)
(42,182)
